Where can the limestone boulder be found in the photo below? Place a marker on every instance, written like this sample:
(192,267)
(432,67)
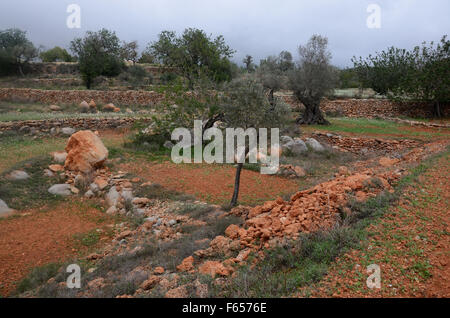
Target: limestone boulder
(85,152)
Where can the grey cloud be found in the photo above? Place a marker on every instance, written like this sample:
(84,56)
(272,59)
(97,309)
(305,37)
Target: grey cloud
(256,27)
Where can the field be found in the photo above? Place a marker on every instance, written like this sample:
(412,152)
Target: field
(187,242)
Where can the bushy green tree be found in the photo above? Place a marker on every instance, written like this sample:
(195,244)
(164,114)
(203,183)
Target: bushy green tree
(244,104)
(98,54)
(312,78)
(16,51)
(195,54)
(57,54)
(421,74)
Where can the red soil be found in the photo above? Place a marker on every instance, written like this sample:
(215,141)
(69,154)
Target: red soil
(411,245)
(213,183)
(44,236)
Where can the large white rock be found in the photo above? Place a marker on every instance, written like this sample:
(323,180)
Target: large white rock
(60,189)
(112,197)
(296,147)
(314,144)
(4,209)
(17,175)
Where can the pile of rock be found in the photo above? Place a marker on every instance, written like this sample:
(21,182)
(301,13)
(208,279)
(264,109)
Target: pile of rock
(307,211)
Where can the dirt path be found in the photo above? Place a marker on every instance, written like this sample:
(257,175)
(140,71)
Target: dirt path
(411,244)
(40,237)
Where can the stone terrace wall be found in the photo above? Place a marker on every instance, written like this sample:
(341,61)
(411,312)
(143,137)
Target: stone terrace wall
(372,108)
(142,98)
(368,108)
(44,126)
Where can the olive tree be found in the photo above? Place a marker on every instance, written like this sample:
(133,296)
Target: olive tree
(16,51)
(312,78)
(244,104)
(98,54)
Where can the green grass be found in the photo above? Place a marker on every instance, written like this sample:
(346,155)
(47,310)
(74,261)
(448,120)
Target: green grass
(37,276)
(34,115)
(32,192)
(364,126)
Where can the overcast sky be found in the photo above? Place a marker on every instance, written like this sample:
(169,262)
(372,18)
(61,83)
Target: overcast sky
(256,27)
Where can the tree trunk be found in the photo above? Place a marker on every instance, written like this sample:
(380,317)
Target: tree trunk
(88,82)
(312,116)
(437,110)
(236,185)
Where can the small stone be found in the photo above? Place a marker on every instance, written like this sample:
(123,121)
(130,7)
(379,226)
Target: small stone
(314,144)
(168,144)
(59,156)
(4,209)
(60,189)
(56,168)
(159,270)
(17,175)
(89,194)
(68,131)
(186,265)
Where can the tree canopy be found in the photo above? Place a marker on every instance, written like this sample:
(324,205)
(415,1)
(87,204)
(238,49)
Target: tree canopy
(99,53)
(57,54)
(195,54)
(421,74)
(16,51)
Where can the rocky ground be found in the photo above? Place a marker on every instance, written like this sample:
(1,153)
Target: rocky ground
(155,241)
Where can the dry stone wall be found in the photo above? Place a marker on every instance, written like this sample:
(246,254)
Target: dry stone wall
(371,108)
(129,97)
(55,125)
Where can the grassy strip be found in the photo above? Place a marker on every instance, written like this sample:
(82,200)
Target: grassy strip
(364,126)
(22,116)
(305,261)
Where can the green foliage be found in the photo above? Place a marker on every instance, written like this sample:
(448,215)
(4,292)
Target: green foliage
(421,74)
(16,51)
(348,78)
(98,54)
(137,76)
(195,54)
(129,52)
(146,58)
(37,277)
(168,78)
(272,71)
(246,105)
(56,54)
